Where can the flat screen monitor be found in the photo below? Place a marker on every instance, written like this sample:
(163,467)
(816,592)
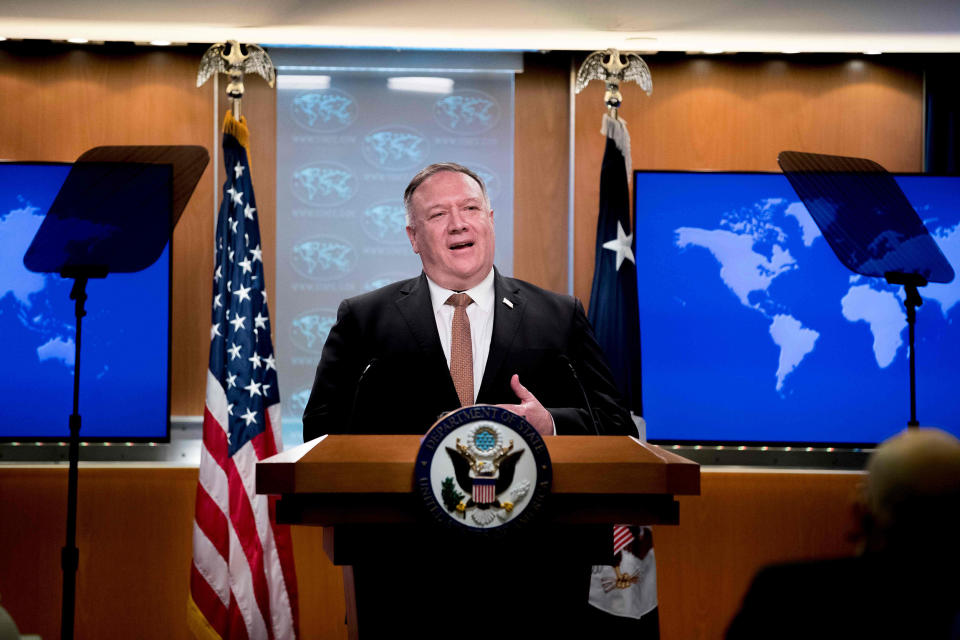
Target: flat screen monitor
(753,333)
(125,351)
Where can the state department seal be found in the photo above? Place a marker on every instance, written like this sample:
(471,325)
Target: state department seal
(483,469)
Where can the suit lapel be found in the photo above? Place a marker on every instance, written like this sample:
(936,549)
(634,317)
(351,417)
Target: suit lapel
(506,322)
(415,306)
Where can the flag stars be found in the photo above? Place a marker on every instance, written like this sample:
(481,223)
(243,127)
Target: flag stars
(621,246)
(245,264)
(230,412)
(235,196)
(238,171)
(248,211)
(254,388)
(217,275)
(216,300)
(249,417)
(270,363)
(260,322)
(215,331)
(255,359)
(234,351)
(231,380)
(243,293)
(237,322)
(233,228)
(257,254)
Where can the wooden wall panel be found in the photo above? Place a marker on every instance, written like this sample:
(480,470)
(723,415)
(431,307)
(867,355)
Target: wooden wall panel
(57,102)
(135,524)
(737,114)
(741,522)
(541,171)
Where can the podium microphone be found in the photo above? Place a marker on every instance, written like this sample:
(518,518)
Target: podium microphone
(583,392)
(356,391)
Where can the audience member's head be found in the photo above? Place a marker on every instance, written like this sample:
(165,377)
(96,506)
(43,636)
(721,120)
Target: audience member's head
(912,493)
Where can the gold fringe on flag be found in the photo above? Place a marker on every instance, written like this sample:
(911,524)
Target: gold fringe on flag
(238,130)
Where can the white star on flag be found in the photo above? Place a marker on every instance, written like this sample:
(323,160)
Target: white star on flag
(245,265)
(237,322)
(214,331)
(234,351)
(260,322)
(257,253)
(248,212)
(270,362)
(249,416)
(255,359)
(621,246)
(253,388)
(235,196)
(231,380)
(243,293)
(216,302)
(237,171)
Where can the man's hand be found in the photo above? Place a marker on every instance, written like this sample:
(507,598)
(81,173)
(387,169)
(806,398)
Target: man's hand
(530,408)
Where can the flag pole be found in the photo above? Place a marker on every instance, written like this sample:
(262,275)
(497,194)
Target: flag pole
(625,590)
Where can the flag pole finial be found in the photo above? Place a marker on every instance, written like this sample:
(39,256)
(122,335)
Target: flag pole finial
(614,67)
(235,59)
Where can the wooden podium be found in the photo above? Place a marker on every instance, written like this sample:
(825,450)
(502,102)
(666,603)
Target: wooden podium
(360,488)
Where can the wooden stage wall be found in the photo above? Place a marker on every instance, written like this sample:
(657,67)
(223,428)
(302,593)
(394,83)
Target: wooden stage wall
(705,113)
(135,524)
(727,112)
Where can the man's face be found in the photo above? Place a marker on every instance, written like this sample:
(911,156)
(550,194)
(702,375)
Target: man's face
(452,230)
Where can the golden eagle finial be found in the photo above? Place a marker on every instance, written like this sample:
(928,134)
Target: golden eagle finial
(236,59)
(614,67)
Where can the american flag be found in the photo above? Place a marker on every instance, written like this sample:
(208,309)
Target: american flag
(242,581)
(622,536)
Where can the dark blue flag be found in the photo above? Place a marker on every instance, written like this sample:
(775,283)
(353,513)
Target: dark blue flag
(613,299)
(628,589)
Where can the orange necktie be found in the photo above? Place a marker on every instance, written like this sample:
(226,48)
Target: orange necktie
(461,349)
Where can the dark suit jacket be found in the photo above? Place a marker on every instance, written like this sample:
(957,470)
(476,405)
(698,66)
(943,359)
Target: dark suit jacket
(383,370)
(878,595)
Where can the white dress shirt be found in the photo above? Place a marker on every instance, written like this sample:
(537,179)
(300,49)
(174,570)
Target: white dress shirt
(480,314)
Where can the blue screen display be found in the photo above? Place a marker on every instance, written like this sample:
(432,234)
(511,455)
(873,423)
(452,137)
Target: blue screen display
(124,359)
(754,333)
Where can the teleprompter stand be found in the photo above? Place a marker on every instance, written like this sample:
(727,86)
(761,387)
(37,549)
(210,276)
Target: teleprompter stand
(872,228)
(114,214)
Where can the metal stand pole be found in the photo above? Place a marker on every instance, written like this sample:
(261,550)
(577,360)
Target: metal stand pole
(70,555)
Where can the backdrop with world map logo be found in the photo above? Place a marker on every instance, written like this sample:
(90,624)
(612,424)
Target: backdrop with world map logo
(351,132)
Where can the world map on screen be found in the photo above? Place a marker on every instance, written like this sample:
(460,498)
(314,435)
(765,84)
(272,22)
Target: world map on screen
(752,329)
(125,341)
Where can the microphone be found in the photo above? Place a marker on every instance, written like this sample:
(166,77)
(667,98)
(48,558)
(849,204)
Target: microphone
(583,392)
(356,390)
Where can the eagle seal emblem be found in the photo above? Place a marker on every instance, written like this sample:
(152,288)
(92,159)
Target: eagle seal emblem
(483,469)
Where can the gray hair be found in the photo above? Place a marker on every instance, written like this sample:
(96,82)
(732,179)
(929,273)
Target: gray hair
(433,169)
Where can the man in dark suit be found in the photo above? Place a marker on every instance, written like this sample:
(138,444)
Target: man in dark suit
(533,350)
(388,367)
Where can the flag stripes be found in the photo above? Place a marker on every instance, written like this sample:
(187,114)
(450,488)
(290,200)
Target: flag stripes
(242,582)
(622,536)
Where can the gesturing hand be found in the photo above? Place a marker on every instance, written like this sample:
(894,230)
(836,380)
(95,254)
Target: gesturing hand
(530,408)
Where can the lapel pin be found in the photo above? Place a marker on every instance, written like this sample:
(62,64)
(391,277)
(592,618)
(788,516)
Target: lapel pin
(508,303)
